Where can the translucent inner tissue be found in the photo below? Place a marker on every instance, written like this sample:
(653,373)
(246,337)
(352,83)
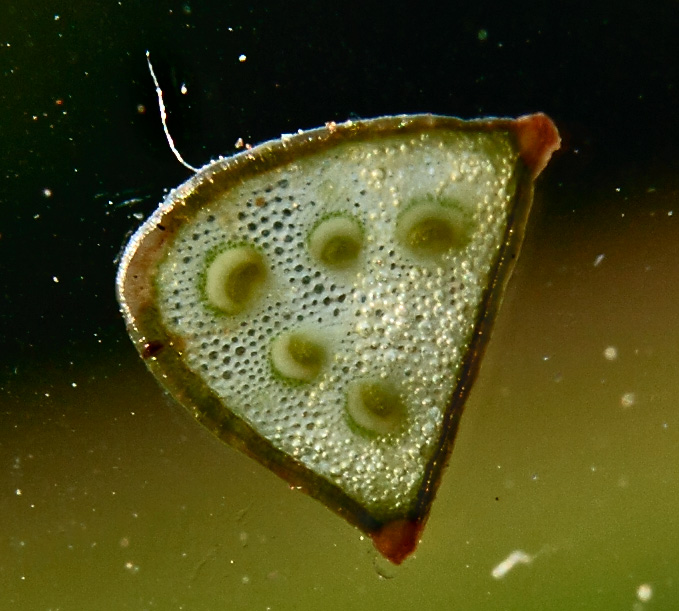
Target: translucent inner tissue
(389,314)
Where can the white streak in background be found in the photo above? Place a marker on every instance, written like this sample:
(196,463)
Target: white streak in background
(163,115)
(516,557)
(598,260)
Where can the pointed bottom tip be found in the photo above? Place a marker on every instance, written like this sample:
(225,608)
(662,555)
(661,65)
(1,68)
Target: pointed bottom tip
(398,539)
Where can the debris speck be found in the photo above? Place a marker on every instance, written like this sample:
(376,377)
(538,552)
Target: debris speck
(242,58)
(132,567)
(599,259)
(628,399)
(644,592)
(47,192)
(611,353)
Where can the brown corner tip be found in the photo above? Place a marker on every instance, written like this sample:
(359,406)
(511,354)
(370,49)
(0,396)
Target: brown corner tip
(398,539)
(538,139)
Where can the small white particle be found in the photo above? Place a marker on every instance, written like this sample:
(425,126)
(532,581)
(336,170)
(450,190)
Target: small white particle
(644,592)
(628,399)
(670,213)
(245,580)
(47,192)
(55,279)
(18,492)
(183,89)
(242,58)
(56,18)
(74,384)
(598,260)
(611,353)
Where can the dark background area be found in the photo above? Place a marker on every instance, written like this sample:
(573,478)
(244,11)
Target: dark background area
(83,155)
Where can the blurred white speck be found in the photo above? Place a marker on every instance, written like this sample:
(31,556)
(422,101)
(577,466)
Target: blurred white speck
(535,477)
(245,580)
(183,89)
(132,567)
(56,18)
(55,279)
(74,384)
(628,399)
(599,259)
(644,592)
(516,557)
(670,213)
(18,491)
(47,192)
(611,353)
(242,58)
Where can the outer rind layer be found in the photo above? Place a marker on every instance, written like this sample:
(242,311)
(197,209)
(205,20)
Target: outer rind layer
(536,138)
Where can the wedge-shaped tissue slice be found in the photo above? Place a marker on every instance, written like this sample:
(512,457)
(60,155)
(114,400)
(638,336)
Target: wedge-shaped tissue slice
(322,301)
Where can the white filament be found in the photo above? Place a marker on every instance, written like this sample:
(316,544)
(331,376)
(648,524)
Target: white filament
(163,116)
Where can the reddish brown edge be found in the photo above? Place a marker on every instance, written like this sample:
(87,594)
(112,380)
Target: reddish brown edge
(395,535)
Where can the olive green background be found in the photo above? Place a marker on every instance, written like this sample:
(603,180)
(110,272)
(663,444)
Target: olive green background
(112,498)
